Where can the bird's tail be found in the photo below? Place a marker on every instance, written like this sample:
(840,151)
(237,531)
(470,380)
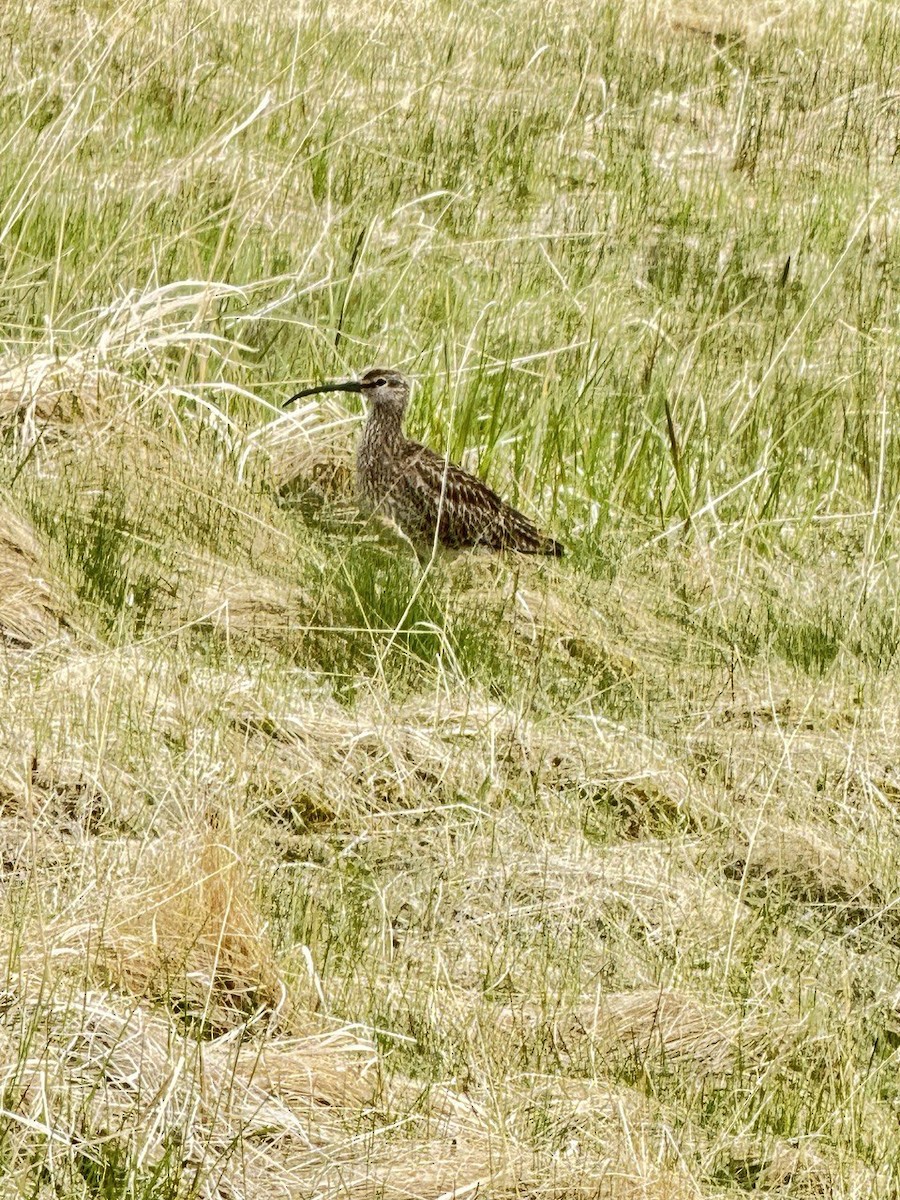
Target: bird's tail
(542,545)
(554,548)
(519,534)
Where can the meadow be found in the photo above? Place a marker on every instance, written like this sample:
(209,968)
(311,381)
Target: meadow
(324,873)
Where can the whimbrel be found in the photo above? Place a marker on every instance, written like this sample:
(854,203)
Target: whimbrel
(422,492)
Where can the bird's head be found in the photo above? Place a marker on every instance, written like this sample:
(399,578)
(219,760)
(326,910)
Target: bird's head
(385,389)
(382,387)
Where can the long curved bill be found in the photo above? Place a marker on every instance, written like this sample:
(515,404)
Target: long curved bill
(350,386)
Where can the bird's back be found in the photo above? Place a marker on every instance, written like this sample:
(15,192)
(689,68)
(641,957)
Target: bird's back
(427,495)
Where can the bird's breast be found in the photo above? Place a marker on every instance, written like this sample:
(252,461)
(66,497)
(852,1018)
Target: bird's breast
(378,461)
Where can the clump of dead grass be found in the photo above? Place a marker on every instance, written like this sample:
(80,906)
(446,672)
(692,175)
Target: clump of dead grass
(43,391)
(107,1072)
(802,1167)
(31,604)
(674,1026)
(661,1025)
(181,926)
(806,861)
(308,450)
(318,749)
(235,600)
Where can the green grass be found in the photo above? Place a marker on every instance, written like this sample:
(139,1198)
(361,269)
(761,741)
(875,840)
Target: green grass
(326,873)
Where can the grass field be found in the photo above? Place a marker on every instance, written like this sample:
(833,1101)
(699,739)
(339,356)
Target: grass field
(324,875)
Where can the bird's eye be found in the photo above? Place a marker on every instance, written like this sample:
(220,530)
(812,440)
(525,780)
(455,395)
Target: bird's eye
(380,382)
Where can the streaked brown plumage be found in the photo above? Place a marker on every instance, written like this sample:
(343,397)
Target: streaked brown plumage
(425,494)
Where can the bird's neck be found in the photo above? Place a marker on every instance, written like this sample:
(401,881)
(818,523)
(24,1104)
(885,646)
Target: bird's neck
(384,427)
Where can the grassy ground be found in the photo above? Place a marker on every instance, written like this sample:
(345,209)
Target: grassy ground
(324,877)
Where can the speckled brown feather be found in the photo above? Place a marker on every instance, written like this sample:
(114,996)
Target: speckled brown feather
(429,492)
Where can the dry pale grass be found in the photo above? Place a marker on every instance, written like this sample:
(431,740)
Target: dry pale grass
(44,392)
(809,863)
(802,1168)
(181,925)
(163,940)
(242,602)
(160,935)
(309,449)
(723,23)
(713,19)
(31,603)
(660,1025)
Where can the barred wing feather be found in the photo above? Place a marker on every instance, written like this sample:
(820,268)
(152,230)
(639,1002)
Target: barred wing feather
(429,489)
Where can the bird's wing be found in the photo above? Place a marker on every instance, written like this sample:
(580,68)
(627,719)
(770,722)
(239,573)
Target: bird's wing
(470,512)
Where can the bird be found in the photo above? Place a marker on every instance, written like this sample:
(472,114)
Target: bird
(431,500)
